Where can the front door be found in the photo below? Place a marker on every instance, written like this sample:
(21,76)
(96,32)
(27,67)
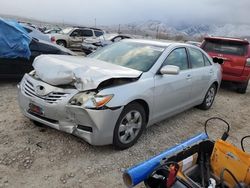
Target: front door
(172,92)
(75,39)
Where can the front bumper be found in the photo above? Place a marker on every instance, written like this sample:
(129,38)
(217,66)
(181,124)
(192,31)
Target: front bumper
(94,126)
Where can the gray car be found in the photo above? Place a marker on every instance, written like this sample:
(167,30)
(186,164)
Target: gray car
(111,96)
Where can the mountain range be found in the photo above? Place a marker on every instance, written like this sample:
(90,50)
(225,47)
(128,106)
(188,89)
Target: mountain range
(154,28)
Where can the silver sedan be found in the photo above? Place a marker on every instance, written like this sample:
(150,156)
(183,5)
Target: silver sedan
(111,96)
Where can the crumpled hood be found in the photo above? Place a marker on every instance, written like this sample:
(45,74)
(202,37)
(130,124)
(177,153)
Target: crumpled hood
(84,73)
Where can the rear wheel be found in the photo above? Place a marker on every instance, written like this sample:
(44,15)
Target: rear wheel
(242,87)
(129,126)
(209,98)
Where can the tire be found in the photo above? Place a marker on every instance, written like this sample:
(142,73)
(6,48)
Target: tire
(128,124)
(242,87)
(61,43)
(209,98)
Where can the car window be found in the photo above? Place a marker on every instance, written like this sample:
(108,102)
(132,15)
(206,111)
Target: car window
(206,60)
(178,57)
(98,33)
(196,58)
(76,33)
(87,33)
(225,47)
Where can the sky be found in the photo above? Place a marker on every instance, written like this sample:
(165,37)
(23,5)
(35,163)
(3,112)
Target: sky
(112,12)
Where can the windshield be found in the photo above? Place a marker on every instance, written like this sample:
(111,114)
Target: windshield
(66,30)
(225,47)
(129,54)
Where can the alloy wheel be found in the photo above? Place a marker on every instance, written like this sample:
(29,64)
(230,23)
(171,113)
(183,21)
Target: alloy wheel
(210,96)
(130,127)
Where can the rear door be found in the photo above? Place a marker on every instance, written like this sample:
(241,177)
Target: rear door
(233,53)
(87,33)
(201,72)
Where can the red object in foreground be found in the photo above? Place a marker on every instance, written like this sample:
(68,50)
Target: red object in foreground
(173,169)
(236,58)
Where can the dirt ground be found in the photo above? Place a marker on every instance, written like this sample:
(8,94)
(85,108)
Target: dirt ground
(32,156)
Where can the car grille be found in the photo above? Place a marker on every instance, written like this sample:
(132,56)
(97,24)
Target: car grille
(52,98)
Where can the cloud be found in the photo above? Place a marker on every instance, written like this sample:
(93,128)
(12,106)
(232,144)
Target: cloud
(106,12)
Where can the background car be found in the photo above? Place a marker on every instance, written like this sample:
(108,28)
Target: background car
(111,96)
(17,67)
(51,31)
(72,37)
(92,44)
(34,33)
(236,56)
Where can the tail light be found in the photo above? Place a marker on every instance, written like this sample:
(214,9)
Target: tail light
(53,39)
(248,62)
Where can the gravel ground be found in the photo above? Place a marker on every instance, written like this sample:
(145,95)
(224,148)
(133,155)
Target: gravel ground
(32,156)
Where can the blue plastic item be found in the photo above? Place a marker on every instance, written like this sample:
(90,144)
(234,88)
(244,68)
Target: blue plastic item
(14,40)
(140,172)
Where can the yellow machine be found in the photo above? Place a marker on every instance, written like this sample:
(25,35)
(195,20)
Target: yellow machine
(229,163)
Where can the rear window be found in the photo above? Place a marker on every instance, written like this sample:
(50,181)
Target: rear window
(87,33)
(98,33)
(225,47)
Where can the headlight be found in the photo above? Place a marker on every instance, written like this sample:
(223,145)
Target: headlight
(100,101)
(90,100)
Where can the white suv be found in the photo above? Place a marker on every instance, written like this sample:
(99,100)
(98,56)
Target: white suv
(73,37)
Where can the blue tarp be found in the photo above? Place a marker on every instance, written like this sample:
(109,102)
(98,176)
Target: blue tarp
(14,40)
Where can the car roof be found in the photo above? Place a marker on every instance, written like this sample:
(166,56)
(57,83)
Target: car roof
(82,27)
(228,39)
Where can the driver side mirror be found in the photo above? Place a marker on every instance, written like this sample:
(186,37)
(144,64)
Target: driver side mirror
(170,69)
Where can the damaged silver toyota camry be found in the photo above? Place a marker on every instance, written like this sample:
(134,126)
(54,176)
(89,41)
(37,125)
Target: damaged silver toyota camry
(111,96)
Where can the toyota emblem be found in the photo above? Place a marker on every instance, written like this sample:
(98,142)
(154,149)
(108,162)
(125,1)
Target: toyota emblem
(40,90)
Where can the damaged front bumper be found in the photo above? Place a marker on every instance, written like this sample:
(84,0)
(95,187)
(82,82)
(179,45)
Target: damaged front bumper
(94,126)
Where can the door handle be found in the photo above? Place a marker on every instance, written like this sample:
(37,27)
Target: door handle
(211,71)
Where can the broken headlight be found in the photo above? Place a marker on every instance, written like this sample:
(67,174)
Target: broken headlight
(90,100)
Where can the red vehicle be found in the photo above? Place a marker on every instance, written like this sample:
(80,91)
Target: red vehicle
(236,59)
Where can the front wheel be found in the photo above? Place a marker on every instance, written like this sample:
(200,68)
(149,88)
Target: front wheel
(209,98)
(129,126)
